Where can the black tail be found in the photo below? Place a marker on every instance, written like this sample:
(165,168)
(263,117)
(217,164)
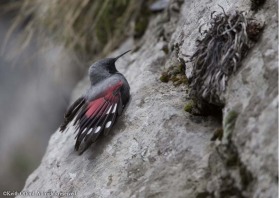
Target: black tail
(71,112)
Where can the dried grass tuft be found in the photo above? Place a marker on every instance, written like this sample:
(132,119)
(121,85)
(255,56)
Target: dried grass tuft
(219,53)
(86,27)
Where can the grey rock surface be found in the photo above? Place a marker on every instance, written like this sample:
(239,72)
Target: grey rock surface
(157,149)
(159,5)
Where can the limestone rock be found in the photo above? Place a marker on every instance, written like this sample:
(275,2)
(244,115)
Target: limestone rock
(157,149)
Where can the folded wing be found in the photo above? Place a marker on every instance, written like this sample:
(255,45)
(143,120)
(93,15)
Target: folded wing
(98,116)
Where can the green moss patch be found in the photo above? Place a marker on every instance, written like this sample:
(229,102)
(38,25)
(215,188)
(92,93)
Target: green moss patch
(175,74)
(189,106)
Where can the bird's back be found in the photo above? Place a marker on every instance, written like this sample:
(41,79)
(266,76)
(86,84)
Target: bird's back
(99,89)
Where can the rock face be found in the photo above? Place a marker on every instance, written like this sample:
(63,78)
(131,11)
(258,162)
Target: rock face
(157,149)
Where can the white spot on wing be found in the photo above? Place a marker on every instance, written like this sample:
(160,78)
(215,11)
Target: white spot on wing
(90,130)
(114,109)
(84,130)
(98,129)
(108,110)
(108,124)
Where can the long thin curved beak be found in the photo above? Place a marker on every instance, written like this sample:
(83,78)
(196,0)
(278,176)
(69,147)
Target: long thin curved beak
(121,55)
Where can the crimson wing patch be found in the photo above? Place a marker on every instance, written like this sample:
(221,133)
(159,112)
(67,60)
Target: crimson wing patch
(98,116)
(95,117)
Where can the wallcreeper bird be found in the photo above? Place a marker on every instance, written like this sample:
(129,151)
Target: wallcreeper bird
(96,111)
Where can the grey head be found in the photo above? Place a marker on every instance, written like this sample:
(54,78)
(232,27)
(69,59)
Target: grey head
(103,68)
